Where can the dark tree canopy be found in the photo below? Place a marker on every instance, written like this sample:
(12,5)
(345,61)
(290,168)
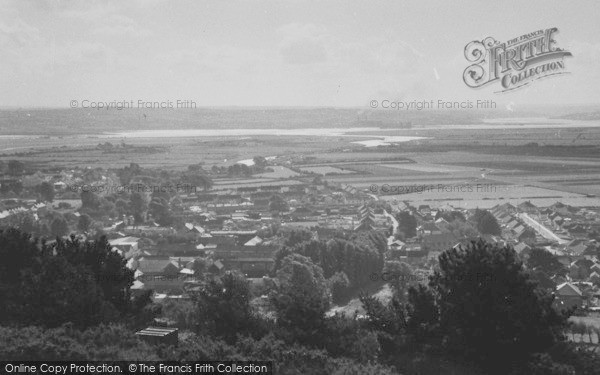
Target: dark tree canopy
(302,298)
(407,224)
(543,260)
(485,222)
(15,167)
(337,255)
(84,222)
(47,191)
(69,281)
(59,227)
(278,204)
(223,306)
(490,310)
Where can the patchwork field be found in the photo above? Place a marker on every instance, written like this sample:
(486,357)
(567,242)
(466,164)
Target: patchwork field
(513,162)
(325,170)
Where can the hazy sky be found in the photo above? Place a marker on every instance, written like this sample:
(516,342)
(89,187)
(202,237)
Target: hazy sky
(284,52)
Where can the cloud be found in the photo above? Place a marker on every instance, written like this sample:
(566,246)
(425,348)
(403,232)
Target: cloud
(17,34)
(120,25)
(303,44)
(584,52)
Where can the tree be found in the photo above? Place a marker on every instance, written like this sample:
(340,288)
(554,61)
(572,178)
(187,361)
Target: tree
(59,227)
(297,236)
(18,252)
(485,222)
(159,208)
(407,224)
(121,206)
(450,216)
(197,179)
(545,261)
(277,203)
(139,204)
(47,191)
(339,286)
(84,223)
(108,267)
(223,306)
(370,239)
(337,255)
(89,200)
(15,167)
(302,297)
(127,173)
(69,281)
(56,292)
(388,320)
(490,310)
(400,276)
(28,224)
(422,313)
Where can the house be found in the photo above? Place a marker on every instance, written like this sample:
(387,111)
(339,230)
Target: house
(161,267)
(433,255)
(251,266)
(255,241)
(504,218)
(507,208)
(520,247)
(160,274)
(578,232)
(441,222)
(60,186)
(512,224)
(194,228)
(526,235)
(577,247)
(424,209)
(119,225)
(216,267)
(557,221)
(439,242)
(428,228)
(518,230)
(137,288)
(183,261)
(576,272)
(585,264)
(367,223)
(527,207)
(558,279)
(394,244)
(127,246)
(568,296)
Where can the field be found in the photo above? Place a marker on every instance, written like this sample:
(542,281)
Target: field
(325,170)
(473,164)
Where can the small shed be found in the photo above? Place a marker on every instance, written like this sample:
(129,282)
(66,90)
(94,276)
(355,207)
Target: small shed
(159,335)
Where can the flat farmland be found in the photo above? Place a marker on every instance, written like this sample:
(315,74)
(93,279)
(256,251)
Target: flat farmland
(522,162)
(325,170)
(279,172)
(167,152)
(422,168)
(488,194)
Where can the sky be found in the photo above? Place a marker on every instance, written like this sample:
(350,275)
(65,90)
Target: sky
(279,53)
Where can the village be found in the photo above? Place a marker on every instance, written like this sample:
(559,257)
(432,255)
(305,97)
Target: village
(174,228)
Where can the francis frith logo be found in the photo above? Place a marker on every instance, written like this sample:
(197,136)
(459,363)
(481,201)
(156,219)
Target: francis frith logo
(515,63)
